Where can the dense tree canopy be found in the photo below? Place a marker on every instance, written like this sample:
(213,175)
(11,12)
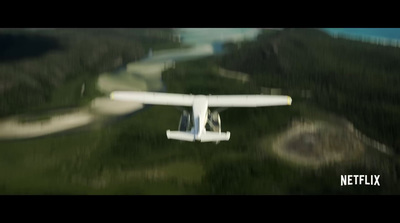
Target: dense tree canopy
(33,64)
(355,79)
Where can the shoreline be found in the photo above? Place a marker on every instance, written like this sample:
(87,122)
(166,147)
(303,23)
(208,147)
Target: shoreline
(377,40)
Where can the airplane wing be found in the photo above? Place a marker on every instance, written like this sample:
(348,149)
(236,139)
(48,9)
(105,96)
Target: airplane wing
(248,100)
(154,98)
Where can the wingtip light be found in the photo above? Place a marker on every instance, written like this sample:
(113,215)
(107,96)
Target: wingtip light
(289,100)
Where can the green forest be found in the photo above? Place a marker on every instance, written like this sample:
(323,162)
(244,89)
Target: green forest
(132,155)
(354,79)
(35,66)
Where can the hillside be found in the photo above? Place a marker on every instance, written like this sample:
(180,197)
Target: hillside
(33,64)
(354,79)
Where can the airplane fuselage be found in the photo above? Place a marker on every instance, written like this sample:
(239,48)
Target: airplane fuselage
(200,108)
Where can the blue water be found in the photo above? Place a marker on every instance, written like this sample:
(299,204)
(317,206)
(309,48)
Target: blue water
(216,37)
(196,36)
(389,33)
(218,46)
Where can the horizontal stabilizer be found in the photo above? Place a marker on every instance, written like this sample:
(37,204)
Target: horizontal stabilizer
(178,135)
(215,136)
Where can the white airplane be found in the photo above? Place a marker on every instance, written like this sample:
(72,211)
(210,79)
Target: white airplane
(204,126)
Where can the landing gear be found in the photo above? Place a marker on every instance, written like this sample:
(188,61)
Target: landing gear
(184,123)
(213,122)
